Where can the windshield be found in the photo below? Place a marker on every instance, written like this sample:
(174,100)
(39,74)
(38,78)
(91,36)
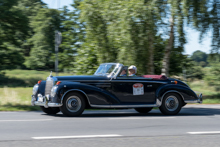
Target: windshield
(107,69)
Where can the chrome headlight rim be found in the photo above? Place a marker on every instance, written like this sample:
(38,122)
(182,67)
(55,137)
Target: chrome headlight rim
(35,89)
(54,91)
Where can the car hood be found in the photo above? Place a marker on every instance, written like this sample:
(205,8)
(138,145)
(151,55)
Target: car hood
(82,78)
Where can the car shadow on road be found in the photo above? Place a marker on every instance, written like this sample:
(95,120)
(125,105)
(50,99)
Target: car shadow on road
(156,112)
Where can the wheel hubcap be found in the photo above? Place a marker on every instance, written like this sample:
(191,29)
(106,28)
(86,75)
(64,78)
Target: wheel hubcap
(73,103)
(171,103)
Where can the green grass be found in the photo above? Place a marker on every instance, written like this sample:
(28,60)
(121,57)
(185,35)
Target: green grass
(16,99)
(205,89)
(211,101)
(210,95)
(24,78)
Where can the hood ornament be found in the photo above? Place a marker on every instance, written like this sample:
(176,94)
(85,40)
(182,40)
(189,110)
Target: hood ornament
(50,74)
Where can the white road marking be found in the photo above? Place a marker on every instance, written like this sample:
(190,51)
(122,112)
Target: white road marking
(208,132)
(83,136)
(141,118)
(25,120)
(7,112)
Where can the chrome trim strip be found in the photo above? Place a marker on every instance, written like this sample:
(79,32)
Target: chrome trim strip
(191,101)
(100,106)
(89,81)
(74,90)
(170,91)
(49,104)
(138,81)
(115,80)
(124,106)
(46,102)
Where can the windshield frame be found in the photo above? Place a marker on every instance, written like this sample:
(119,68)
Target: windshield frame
(114,73)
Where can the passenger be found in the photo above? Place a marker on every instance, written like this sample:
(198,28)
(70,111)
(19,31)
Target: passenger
(132,70)
(123,73)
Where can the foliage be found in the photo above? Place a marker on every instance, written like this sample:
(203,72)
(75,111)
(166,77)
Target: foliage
(13,24)
(195,72)
(200,57)
(44,25)
(132,32)
(213,76)
(178,61)
(209,21)
(120,30)
(73,34)
(86,60)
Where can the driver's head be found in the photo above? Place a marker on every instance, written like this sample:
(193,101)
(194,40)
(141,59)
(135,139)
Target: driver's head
(132,70)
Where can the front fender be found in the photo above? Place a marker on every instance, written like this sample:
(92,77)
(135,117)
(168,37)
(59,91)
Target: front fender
(41,89)
(185,92)
(94,95)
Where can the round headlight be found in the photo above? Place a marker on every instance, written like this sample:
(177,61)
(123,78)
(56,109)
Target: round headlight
(35,89)
(53,91)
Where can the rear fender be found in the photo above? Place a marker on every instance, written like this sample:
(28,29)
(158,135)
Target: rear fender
(185,92)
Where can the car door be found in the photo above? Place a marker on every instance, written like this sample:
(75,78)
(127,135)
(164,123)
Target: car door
(134,90)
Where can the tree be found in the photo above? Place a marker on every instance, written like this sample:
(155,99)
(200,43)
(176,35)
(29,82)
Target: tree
(73,34)
(210,21)
(13,29)
(200,57)
(123,35)
(44,25)
(190,11)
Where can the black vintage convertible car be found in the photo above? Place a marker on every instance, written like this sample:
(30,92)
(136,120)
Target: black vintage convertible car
(108,88)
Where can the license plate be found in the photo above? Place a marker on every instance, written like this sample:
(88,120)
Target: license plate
(40,99)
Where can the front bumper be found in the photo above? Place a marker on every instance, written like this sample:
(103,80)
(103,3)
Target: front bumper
(199,99)
(45,101)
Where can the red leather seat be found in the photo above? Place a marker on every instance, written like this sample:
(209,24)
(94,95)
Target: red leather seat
(156,77)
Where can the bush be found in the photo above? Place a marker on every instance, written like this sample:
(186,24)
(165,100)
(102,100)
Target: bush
(213,76)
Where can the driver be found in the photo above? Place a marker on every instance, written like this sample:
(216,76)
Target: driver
(132,70)
(123,73)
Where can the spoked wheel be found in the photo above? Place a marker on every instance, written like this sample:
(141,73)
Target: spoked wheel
(50,110)
(171,104)
(144,110)
(73,104)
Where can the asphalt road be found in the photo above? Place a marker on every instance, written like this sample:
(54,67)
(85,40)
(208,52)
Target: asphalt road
(196,126)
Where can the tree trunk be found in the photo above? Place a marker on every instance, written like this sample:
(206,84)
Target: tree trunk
(166,59)
(151,55)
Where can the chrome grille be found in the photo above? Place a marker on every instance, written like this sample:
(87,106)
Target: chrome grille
(49,85)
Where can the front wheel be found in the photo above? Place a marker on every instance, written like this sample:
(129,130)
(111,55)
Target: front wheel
(50,110)
(171,104)
(144,110)
(73,104)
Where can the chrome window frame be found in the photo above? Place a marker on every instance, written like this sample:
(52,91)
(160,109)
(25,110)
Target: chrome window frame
(111,75)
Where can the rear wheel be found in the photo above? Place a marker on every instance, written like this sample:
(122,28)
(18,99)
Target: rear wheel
(73,104)
(50,110)
(144,110)
(171,104)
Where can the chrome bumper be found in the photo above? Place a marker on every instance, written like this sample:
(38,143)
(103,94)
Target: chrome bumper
(45,102)
(199,99)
